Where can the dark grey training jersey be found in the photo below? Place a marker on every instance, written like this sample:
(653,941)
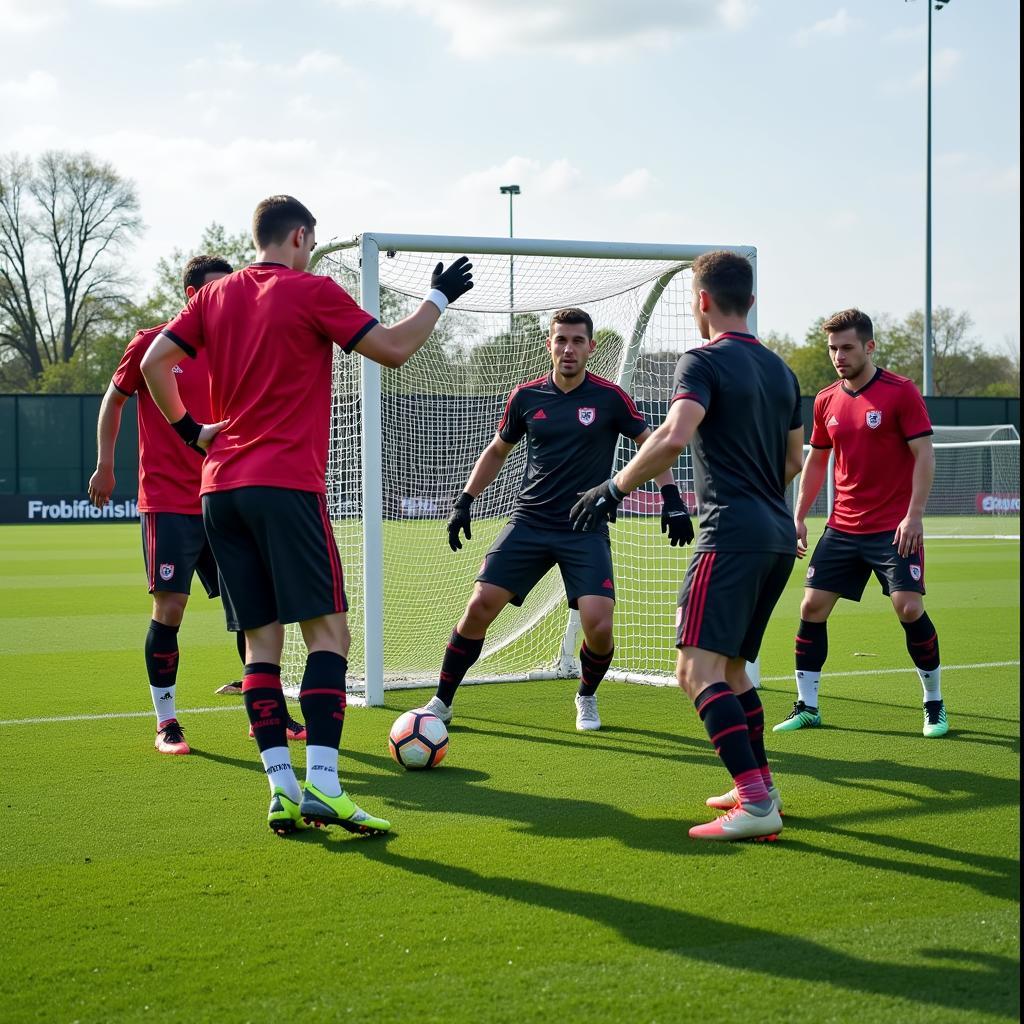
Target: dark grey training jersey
(752,402)
(571,439)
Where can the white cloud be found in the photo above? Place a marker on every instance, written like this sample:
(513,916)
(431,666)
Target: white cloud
(317,62)
(531,175)
(828,28)
(584,29)
(37,85)
(29,15)
(230,58)
(944,63)
(631,185)
(139,5)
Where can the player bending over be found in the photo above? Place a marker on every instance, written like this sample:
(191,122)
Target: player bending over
(572,420)
(878,427)
(174,543)
(739,404)
(267,332)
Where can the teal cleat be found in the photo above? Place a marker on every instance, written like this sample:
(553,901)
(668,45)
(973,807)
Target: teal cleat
(801,717)
(283,817)
(320,810)
(935,722)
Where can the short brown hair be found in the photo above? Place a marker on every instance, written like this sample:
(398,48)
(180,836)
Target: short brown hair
(277,217)
(728,278)
(573,315)
(194,274)
(848,318)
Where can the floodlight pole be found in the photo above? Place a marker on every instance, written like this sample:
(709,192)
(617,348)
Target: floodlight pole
(510,191)
(927,371)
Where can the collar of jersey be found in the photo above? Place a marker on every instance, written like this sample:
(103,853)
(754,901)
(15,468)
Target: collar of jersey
(751,339)
(558,391)
(270,263)
(860,391)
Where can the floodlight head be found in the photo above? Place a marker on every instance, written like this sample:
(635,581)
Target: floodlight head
(509,190)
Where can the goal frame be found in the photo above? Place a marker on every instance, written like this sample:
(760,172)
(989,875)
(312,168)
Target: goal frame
(369,246)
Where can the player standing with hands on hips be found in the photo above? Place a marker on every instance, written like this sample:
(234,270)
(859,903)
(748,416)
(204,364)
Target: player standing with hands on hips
(268,332)
(877,424)
(739,406)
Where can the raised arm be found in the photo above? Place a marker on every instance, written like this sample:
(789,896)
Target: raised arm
(392,346)
(910,533)
(102,482)
(487,467)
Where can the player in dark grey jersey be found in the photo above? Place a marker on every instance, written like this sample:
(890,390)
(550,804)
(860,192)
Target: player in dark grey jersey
(572,421)
(738,405)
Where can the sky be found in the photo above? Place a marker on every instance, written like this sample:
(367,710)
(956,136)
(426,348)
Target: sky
(796,126)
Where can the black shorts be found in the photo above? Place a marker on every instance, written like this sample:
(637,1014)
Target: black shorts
(728,597)
(174,546)
(277,554)
(842,563)
(522,554)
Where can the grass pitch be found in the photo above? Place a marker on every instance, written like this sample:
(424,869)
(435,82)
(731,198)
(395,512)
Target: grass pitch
(539,874)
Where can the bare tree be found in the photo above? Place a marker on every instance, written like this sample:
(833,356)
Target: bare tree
(64,223)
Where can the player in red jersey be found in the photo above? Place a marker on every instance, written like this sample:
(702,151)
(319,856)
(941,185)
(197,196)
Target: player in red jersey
(174,542)
(269,333)
(877,425)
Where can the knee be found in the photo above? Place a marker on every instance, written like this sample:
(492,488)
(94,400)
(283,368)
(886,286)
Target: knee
(685,675)
(168,608)
(481,610)
(813,609)
(599,634)
(909,606)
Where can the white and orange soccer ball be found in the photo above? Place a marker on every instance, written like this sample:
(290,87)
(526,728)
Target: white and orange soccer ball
(418,740)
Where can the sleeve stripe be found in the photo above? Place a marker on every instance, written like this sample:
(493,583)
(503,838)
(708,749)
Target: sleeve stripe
(127,394)
(623,394)
(924,433)
(690,397)
(360,334)
(184,345)
(820,447)
(508,406)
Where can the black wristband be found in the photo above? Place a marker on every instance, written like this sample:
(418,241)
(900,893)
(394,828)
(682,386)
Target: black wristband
(187,429)
(464,500)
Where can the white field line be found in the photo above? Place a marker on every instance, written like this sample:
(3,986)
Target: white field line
(356,700)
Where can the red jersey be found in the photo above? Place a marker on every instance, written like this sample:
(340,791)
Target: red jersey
(869,430)
(267,331)
(169,471)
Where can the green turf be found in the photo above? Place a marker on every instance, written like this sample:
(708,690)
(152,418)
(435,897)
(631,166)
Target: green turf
(539,874)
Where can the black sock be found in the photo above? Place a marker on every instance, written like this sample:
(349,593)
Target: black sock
(162,654)
(922,643)
(592,669)
(723,717)
(754,711)
(459,656)
(240,644)
(811,646)
(322,698)
(264,703)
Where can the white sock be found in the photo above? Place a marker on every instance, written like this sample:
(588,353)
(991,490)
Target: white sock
(807,687)
(931,683)
(163,703)
(277,763)
(322,769)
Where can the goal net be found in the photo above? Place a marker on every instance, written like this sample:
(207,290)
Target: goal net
(404,441)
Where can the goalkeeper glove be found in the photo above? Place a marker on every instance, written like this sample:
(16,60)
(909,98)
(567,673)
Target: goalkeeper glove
(447,285)
(675,518)
(596,506)
(459,521)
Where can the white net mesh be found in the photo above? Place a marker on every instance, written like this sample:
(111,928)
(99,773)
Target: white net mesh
(440,411)
(976,490)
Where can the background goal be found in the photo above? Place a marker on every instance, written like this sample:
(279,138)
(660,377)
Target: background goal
(403,443)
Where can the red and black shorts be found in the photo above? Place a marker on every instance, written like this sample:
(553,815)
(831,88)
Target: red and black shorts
(727,598)
(842,564)
(277,555)
(175,547)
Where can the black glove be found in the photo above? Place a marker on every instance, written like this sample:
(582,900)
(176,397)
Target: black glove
(455,281)
(596,506)
(675,518)
(459,521)
(188,430)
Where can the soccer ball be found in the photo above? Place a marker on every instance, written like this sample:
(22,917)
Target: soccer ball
(418,740)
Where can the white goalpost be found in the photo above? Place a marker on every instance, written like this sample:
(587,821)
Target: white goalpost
(403,442)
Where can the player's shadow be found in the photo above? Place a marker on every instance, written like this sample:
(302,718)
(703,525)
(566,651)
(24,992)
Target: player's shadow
(456,790)
(251,764)
(956,734)
(989,988)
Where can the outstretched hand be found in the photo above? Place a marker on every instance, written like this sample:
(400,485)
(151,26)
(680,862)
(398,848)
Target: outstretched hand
(595,507)
(455,281)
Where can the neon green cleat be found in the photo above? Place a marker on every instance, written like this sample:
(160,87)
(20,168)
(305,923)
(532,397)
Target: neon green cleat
(935,723)
(320,810)
(283,817)
(801,717)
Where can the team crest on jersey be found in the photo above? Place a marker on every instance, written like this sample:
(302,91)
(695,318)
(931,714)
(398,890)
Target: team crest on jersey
(587,414)
(915,573)
(873,417)
(166,571)
(810,572)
